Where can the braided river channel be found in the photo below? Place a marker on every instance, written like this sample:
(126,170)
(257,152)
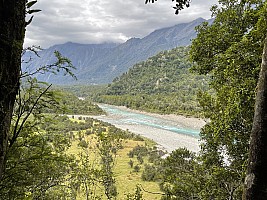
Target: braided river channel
(168,131)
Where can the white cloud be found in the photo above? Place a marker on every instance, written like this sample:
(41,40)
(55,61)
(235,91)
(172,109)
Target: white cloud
(96,21)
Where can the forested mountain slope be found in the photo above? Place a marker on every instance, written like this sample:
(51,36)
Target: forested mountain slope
(101,63)
(161,84)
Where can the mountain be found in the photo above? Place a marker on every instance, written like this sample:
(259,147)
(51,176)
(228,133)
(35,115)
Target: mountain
(101,63)
(161,84)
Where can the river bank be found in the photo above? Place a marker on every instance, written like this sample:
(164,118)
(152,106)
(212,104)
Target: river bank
(189,122)
(155,126)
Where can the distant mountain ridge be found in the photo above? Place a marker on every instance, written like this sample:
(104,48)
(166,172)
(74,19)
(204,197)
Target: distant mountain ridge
(101,63)
(161,84)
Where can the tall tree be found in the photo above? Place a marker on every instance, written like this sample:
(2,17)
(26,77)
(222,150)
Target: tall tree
(230,50)
(12,30)
(256,181)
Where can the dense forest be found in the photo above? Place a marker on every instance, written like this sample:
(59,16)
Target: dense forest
(70,104)
(162,84)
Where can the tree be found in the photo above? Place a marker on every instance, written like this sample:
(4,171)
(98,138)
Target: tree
(108,145)
(236,39)
(230,51)
(180,179)
(256,182)
(12,30)
(13,24)
(37,164)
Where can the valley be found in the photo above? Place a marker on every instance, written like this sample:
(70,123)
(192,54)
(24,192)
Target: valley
(170,132)
(178,113)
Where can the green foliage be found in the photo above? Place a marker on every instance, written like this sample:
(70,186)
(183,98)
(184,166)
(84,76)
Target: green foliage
(131,163)
(229,51)
(180,179)
(140,159)
(136,196)
(37,164)
(81,90)
(72,105)
(108,144)
(150,173)
(83,144)
(162,84)
(136,168)
(138,151)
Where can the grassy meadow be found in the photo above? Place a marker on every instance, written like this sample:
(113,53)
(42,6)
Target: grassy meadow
(126,177)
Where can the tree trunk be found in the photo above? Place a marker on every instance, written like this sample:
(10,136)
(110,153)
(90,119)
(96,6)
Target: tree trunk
(12,32)
(255,187)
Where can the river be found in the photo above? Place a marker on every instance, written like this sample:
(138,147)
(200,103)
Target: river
(169,131)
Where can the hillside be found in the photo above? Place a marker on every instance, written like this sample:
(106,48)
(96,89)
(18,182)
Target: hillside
(162,84)
(101,63)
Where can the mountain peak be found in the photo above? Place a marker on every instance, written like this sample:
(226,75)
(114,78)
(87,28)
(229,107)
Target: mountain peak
(199,19)
(101,63)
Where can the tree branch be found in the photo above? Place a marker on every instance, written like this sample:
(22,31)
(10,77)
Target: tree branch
(16,133)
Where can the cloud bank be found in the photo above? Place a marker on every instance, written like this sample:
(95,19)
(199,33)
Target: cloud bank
(98,21)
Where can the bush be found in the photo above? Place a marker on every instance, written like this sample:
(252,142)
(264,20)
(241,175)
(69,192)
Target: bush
(137,195)
(140,159)
(83,144)
(131,163)
(149,173)
(140,150)
(131,154)
(88,132)
(137,168)
(153,157)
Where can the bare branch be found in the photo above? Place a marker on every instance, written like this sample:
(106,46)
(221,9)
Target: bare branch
(16,132)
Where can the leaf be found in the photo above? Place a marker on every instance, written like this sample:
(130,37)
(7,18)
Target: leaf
(28,22)
(31,3)
(148,1)
(33,11)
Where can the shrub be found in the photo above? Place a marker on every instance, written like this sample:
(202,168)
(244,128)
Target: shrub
(140,159)
(149,173)
(137,168)
(83,144)
(131,154)
(131,163)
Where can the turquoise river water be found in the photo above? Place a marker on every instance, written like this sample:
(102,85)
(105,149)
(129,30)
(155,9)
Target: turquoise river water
(120,116)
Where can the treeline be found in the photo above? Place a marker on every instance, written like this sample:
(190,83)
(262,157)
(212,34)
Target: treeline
(68,103)
(81,90)
(162,84)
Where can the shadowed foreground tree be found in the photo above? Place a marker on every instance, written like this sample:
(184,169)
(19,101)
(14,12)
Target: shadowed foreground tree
(12,31)
(255,186)
(256,180)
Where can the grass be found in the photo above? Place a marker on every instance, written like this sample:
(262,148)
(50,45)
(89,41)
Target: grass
(126,178)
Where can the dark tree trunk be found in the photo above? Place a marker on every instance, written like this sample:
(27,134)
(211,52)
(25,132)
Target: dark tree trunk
(255,187)
(12,31)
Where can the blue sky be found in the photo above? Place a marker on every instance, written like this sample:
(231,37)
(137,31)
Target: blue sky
(98,21)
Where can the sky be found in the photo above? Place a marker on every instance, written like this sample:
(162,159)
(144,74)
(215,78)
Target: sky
(98,21)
